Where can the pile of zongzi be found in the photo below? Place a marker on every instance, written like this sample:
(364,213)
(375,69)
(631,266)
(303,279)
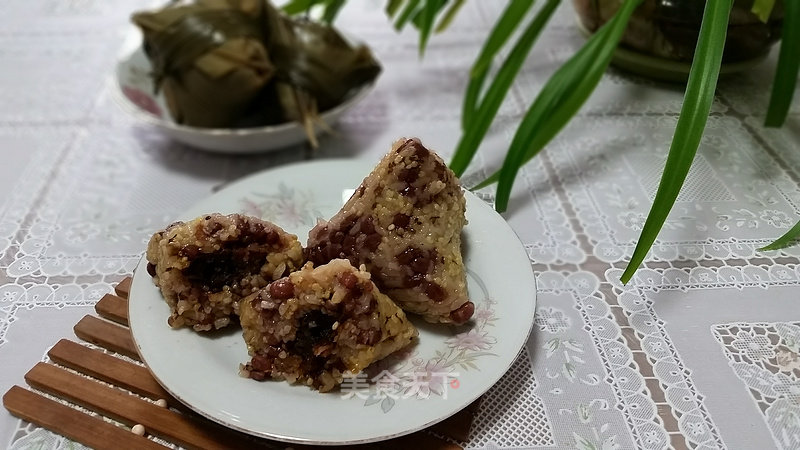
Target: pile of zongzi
(242,63)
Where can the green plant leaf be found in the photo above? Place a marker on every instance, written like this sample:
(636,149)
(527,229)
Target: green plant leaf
(763,8)
(299,6)
(332,8)
(408,13)
(427,17)
(560,98)
(783,86)
(483,117)
(502,30)
(449,15)
(555,87)
(787,240)
(697,102)
(392,7)
(436,8)
(470,107)
(548,131)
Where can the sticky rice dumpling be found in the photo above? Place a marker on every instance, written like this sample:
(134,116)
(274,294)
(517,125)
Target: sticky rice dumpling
(204,267)
(242,63)
(404,224)
(318,325)
(208,58)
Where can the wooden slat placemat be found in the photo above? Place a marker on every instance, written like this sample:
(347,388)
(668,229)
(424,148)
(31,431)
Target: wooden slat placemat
(115,388)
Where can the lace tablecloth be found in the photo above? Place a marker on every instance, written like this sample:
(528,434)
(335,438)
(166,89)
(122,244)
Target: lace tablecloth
(700,350)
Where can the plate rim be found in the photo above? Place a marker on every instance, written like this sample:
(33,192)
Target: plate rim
(520,345)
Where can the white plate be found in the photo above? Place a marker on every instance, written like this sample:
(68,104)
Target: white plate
(461,362)
(135,94)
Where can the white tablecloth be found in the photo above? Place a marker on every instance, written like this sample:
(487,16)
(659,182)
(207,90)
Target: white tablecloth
(700,350)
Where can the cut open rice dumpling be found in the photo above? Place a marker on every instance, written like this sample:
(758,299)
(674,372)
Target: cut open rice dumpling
(206,266)
(404,224)
(318,325)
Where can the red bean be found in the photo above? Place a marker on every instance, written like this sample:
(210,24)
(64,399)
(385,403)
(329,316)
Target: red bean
(434,291)
(409,254)
(369,337)
(261,363)
(258,376)
(463,313)
(409,175)
(408,191)
(216,226)
(315,254)
(348,280)
(419,150)
(439,169)
(367,225)
(272,237)
(281,289)
(189,251)
(413,280)
(421,264)
(252,227)
(401,220)
(372,242)
(419,261)
(348,222)
(332,251)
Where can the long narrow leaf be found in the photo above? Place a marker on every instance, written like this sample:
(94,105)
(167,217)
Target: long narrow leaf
(473,135)
(470,107)
(406,14)
(449,15)
(556,88)
(427,16)
(298,6)
(787,240)
(697,102)
(560,98)
(502,30)
(436,6)
(788,66)
(392,6)
(332,8)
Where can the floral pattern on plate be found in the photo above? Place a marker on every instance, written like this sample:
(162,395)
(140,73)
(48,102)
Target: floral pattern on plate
(286,207)
(142,100)
(408,375)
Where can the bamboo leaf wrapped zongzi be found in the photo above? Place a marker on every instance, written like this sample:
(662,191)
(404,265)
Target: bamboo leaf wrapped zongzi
(243,63)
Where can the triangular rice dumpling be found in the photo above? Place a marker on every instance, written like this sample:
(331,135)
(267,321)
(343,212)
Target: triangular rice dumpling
(204,267)
(320,325)
(404,224)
